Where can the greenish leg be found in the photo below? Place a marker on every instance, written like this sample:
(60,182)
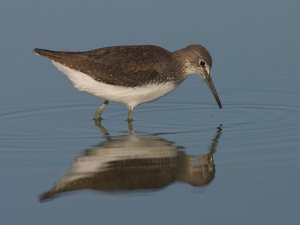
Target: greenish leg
(100,110)
(130,127)
(129,113)
(102,129)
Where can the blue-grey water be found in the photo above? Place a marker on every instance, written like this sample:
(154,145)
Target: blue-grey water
(186,161)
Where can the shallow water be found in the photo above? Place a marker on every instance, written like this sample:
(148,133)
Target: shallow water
(182,160)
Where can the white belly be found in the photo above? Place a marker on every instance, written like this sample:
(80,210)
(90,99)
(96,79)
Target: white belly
(130,96)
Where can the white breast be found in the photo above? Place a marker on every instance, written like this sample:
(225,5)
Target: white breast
(130,96)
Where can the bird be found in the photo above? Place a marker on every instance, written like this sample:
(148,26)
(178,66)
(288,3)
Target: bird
(132,74)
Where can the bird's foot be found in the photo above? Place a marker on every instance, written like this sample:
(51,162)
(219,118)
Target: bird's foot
(103,130)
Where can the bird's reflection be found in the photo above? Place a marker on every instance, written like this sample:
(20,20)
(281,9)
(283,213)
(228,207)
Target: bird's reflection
(135,162)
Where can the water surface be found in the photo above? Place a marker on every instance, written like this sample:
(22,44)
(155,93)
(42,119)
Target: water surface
(184,161)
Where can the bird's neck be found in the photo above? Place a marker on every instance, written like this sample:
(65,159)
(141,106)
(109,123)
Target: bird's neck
(183,61)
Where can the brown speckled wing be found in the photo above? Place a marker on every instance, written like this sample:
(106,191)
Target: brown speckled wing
(121,65)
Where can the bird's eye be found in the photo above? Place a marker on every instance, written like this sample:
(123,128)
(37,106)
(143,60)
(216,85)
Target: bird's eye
(202,63)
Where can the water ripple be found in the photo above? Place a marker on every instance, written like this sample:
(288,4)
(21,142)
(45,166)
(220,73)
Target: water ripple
(55,121)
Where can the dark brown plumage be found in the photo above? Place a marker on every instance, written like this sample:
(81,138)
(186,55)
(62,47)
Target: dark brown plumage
(129,66)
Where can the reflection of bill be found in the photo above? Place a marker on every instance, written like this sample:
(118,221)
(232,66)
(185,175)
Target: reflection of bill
(134,163)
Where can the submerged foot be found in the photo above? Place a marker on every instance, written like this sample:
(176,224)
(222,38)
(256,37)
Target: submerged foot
(102,129)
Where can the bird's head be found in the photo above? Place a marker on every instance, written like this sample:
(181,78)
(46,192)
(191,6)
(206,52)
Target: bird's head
(197,60)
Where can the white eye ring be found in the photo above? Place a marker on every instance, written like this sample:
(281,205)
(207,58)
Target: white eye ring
(202,63)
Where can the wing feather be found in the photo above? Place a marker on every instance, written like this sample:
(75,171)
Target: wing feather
(133,65)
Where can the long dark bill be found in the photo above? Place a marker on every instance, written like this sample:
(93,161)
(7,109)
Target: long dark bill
(213,90)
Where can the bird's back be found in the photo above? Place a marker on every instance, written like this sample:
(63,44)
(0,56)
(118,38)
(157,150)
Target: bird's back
(119,65)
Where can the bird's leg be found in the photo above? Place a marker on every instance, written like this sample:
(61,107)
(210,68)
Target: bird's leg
(100,110)
(130,109)
(101,128)
(130,127)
